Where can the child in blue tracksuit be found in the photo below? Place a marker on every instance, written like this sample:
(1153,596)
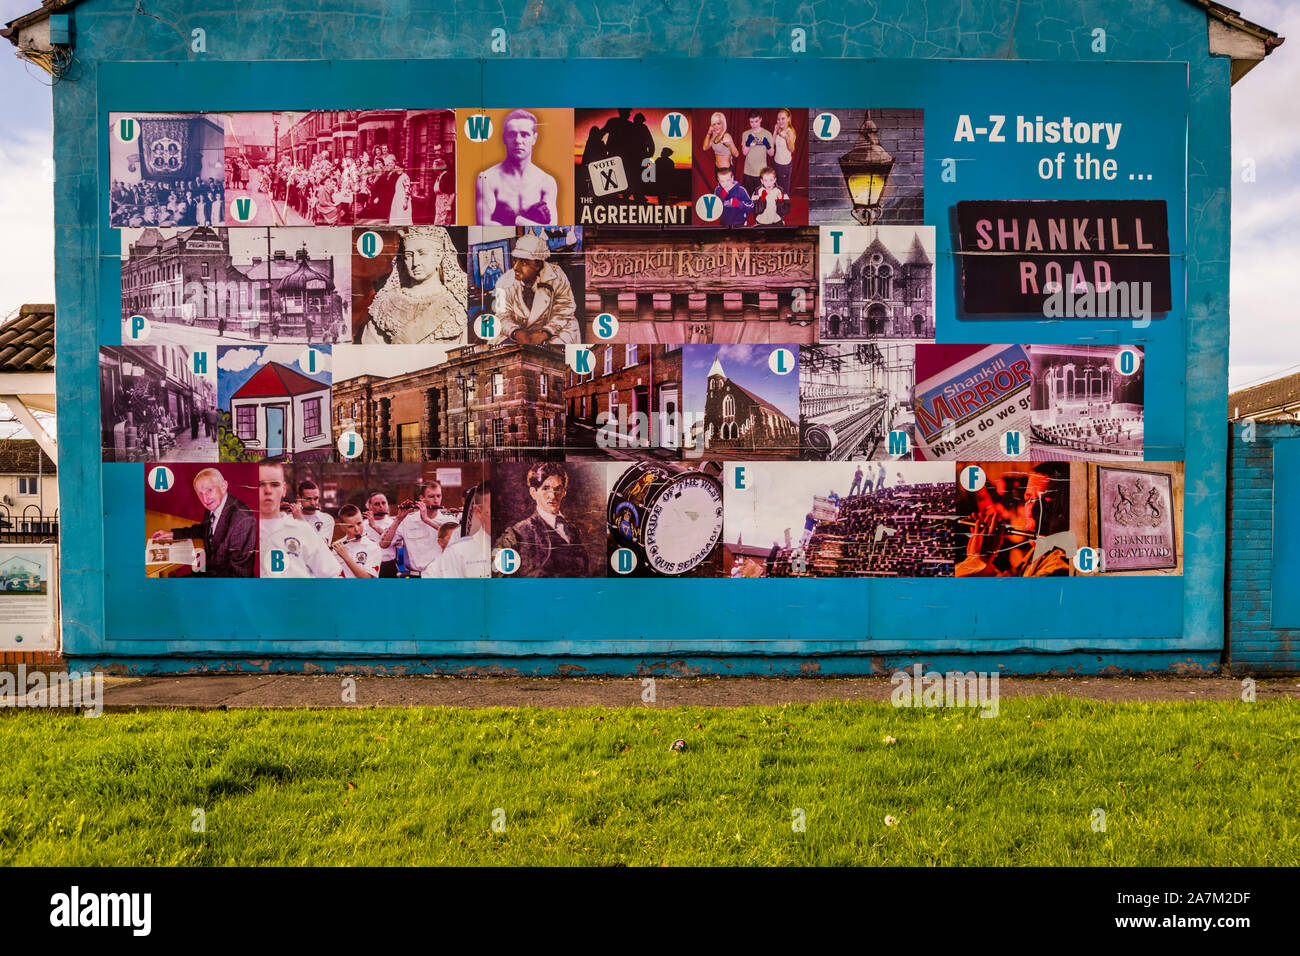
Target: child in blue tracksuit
(736,204)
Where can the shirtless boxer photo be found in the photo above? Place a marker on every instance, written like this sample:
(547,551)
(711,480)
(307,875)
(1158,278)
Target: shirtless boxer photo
(516,191)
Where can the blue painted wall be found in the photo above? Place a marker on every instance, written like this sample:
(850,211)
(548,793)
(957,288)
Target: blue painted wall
(779,626)
(1264,549)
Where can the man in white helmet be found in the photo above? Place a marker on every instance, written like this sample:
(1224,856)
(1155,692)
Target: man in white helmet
(534,301)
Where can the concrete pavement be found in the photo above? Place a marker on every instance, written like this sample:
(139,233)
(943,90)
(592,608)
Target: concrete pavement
(222,692)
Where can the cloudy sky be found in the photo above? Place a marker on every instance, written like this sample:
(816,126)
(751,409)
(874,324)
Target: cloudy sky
(1265,213)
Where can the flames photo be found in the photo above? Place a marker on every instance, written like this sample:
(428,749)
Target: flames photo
(1018,522)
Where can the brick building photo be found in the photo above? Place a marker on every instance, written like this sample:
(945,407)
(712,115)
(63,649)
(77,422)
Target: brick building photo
(426,403)
(603,408)
(282,285)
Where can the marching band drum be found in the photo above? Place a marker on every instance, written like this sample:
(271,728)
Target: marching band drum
(669,514)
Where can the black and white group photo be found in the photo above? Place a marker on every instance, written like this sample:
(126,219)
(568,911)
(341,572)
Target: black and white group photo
(166,170)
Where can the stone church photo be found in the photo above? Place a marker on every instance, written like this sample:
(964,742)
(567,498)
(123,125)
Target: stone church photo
(877,282)
(748,406)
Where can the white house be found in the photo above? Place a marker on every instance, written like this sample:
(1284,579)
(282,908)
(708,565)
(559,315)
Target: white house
(281,412)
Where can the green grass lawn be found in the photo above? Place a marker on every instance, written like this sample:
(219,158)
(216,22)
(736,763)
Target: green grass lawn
(1204,783)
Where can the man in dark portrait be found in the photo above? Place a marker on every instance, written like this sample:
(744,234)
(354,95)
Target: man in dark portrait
(548,544)
(228,529)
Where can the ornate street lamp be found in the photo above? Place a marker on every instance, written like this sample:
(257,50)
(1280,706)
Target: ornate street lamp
(866,168)
(463,382)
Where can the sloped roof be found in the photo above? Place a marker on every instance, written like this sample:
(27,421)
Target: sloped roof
(27,340)
(23,456)
(877,246)
(1268,396)
(150,237)
(298,280)
(748,550)
(917,253)
(762,402)
(276,379)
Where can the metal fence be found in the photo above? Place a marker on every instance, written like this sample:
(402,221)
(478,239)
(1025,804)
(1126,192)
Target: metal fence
(28,526)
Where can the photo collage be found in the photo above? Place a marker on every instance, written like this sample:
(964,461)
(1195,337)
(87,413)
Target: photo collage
(666,342)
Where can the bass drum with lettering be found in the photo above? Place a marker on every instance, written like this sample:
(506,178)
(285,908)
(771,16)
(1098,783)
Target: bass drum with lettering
(668,514)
